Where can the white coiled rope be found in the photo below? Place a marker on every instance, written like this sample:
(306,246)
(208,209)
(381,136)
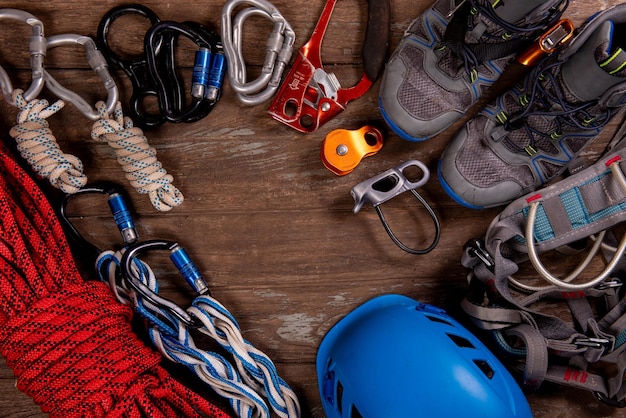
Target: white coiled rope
(137,158)
(38,145)
(278,50)
(253,374)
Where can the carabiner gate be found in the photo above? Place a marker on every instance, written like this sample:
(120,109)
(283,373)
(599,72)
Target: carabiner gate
(97,62)
(389,184)
(119,209)
(37,48)
(183,263)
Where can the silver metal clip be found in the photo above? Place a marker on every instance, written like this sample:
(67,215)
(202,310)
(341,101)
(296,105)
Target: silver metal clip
(387,185)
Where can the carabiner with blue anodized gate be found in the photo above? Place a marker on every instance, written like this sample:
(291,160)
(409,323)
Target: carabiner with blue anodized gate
(389,184)
(37,47)
(96,61)
(118,206)
(132,276)
(153,72)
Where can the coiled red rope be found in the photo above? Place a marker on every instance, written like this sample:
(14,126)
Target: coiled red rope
(69,342)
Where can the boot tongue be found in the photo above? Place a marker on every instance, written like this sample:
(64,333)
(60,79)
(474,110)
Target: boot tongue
(596,66)
(513,11)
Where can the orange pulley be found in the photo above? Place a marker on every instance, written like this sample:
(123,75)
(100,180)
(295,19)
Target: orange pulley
(344,149)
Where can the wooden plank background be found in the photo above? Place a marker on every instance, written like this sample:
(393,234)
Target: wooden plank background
(272,230)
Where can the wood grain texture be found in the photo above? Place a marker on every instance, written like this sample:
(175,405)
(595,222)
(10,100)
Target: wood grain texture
(271,229)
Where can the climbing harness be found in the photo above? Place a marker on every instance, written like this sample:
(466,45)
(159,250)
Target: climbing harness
(278,49)
(343,149)
(38,145)
(587,206)
(389,184)
(172,329)
(309,96)
(68,341)
(154,74)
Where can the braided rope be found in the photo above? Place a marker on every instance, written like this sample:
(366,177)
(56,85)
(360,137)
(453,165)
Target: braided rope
(144,172)
(39,147)
(254,372)
(69,343)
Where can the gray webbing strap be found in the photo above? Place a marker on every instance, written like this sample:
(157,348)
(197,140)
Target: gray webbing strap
(553,349)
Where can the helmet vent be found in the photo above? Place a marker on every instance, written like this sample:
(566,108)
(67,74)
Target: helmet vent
(485,368)
(460,341)
(439,320)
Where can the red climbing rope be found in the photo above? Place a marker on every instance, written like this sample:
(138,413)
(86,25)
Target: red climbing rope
(69,342)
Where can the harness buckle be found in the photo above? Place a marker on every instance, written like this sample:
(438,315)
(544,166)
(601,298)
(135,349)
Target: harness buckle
(592,342)
(610,284)
(475,247)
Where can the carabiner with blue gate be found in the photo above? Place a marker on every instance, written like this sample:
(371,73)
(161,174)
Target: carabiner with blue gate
(132,276)
(37,47)
(153,73)
(208,73)
(119,209)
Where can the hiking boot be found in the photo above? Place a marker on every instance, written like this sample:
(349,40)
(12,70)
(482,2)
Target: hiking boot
(530,134)
(450,54)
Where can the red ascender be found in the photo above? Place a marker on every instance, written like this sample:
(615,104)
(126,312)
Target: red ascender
(310,96)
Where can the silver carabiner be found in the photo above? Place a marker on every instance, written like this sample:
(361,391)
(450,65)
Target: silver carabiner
(278,49)
(385,186)
(96,61)
(37,49)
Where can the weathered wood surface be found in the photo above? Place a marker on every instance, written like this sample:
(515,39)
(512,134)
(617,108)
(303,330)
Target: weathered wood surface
(272,229)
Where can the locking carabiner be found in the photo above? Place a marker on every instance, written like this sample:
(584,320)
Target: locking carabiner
(97,62)
(184,264)
(278,50)
(37,48)
(310,96)
(389,184)
(119,209)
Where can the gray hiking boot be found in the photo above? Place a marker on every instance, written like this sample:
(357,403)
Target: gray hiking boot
(530,134)
(450,54)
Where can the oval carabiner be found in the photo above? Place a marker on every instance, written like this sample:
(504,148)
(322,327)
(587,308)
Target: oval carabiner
(97,62)
(119,209)
(183,263)
(37,49)
(389,184)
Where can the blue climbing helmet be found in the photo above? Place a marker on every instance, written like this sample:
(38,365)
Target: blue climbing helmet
(396,357)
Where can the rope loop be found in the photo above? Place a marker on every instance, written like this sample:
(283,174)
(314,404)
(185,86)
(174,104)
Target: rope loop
(137,158)
(38,145)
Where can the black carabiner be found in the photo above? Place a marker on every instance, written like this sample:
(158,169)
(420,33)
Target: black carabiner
(183,263)
(135,67)
(162,69)
(119,209)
